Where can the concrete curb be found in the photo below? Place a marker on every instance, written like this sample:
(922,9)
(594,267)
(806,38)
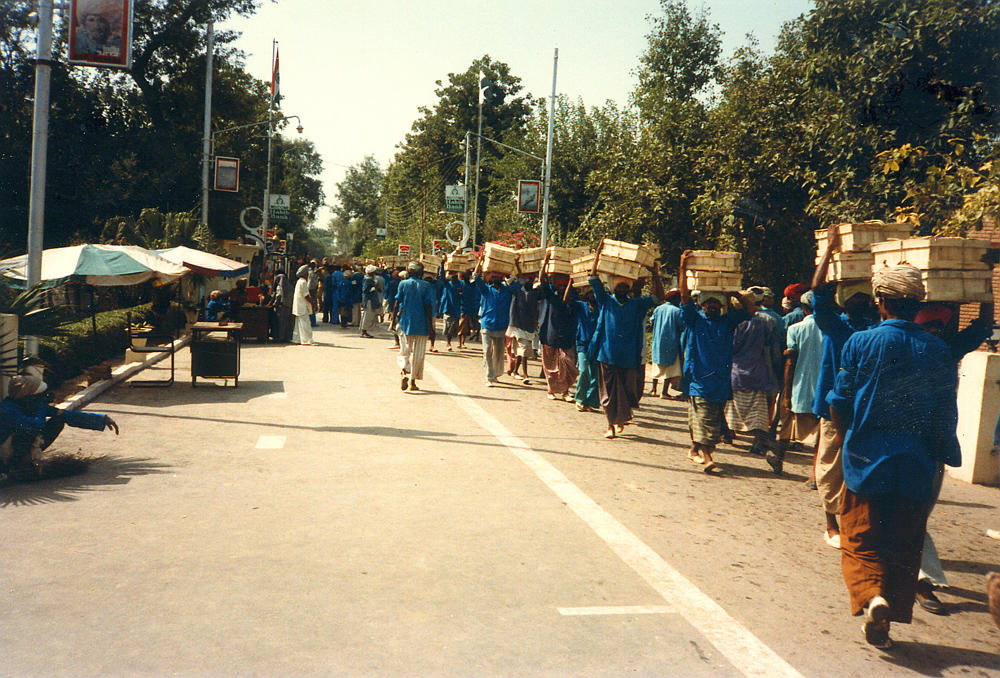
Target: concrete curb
(118,375)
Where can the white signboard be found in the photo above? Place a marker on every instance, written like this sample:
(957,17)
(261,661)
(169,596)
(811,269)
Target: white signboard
(280,207)
(454,199)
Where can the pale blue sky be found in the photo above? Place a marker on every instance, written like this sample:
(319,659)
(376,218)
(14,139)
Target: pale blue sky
(357,72)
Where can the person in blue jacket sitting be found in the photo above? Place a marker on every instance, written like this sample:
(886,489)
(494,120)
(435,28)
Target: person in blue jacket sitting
(28,422)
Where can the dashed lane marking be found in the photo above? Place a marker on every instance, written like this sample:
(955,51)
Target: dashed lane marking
(270,442)
(612,609)
(735,642)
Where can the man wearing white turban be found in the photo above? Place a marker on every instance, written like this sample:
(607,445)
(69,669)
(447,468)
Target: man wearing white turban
(893,405)
(302,305)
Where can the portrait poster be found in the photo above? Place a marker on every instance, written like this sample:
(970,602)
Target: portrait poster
(101,33)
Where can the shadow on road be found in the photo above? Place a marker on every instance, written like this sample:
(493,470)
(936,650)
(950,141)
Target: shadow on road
(933,660)
(181,393)
(103,472)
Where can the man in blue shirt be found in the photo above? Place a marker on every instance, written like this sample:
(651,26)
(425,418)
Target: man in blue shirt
(618,339)
(494,312)
(28,422)
(666,349)
(707,364)
(893,404)
(468,326)
(415,307)
(450,304)
(588,397)
(835,327)
(344,295)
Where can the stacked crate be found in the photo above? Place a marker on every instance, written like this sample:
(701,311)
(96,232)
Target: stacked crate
(580,272)
(625,259)
(953,269)
(460,262)
(529,260)
(713,271)
(561,259)
(854,259)
(498,259)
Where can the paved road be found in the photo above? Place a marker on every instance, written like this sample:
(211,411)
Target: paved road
(316,521)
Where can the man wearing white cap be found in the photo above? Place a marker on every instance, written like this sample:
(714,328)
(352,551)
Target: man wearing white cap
(29,424)
(893,404)
(302,306)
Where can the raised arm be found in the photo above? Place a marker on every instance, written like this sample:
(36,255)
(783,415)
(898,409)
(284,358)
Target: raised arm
(832,243)
(682,282)
(597,258)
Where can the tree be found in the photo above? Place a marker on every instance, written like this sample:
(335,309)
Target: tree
(357,211)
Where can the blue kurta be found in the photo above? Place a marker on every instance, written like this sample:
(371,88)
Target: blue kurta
(620,327)
(708,352)
(451,296)
(835,328)
(667,326)
(470,299)
(586,323)
(495,304)
(794,316)
(895,391)
(806,339)
(413,297)
(14,420)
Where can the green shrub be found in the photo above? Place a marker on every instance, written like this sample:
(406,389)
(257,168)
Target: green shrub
(76,348)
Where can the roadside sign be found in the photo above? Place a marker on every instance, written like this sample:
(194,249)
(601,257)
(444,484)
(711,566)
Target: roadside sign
(227,174)
(528,191)
(454,199)
(381,232)
(280,207)
(281,246)
(404,251)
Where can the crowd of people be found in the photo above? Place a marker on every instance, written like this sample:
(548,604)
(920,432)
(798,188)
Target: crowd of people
(861,374)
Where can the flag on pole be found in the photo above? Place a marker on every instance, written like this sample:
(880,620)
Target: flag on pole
(479,86)
(275,78)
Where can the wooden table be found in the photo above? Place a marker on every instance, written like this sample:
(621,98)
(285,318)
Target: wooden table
(215,351)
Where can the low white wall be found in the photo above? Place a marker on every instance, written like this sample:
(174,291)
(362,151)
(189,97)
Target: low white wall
(978,409)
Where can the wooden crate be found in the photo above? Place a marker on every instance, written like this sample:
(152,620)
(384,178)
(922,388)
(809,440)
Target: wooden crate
(431,262)
(643,255)
(530,260)
(958,286)
(714,281)
(561,259)
(583,279)
(460,262)
(929,254)
(860,237)
(616,266)
(712,260)
(850,266)
(499,259)
(582,264)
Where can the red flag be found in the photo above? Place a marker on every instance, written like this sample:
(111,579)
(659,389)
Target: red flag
(275,78)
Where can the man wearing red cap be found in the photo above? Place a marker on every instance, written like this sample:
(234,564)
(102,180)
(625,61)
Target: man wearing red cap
(793,293)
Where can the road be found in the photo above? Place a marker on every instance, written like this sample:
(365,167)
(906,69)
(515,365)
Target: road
(315,521)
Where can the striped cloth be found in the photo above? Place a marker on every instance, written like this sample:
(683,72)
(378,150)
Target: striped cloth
(747,411)
(412,348)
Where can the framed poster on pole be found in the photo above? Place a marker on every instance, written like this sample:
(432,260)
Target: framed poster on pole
(227,174)
(101,33)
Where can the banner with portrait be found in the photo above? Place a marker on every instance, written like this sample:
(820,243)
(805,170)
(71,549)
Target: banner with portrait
(101,33)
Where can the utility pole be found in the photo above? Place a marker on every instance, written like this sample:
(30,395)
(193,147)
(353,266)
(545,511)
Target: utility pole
(465,186)
(479,149)
(548,152)
(423,219)
(270,134)
(206,142)
(39,152)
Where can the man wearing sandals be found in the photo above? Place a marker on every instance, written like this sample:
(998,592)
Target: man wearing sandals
(707,364)
(415,311)
(893,404)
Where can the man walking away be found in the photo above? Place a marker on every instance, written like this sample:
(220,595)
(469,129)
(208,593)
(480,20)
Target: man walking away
(302,307)
(414,299)
(894,406)
(666,349)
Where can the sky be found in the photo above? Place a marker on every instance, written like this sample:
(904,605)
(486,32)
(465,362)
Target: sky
(356,73)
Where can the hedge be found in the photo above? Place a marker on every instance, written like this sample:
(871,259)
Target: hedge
(76,348)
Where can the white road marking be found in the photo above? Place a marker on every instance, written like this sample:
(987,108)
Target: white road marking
(611,609)
(743,649)
(280,395)
(270,442)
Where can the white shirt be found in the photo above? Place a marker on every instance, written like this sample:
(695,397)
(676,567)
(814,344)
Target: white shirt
(299,304)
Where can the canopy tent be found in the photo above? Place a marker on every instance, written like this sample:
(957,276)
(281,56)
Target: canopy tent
(98,265)
(207,264)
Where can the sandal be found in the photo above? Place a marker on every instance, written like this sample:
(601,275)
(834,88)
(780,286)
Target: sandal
(712,469)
